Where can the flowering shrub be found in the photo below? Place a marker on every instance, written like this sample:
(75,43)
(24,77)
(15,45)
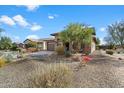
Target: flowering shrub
(86,59)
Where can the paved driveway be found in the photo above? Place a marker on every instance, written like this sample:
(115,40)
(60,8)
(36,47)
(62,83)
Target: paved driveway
(40,54)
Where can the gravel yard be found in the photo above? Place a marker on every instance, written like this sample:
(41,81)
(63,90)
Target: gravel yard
(103,71)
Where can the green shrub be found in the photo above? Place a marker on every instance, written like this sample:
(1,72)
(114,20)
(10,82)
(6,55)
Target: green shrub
(110,52)
(67,54)
(31,44)
(8,58)
(60,50)
(19,49)
(56,75)
(2,62)
(118,52)
(14,47)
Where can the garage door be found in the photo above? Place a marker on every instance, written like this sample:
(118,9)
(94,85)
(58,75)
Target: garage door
(50,46)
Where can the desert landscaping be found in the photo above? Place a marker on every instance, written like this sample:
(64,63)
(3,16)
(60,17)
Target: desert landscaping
(39,49)
(107,73)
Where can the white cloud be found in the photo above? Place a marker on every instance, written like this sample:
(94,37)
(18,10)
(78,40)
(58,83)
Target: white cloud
(102,29)
(20,20)
(7,20)
(32,7)
(51,17)
(32,37)
(36,27)
(16,38)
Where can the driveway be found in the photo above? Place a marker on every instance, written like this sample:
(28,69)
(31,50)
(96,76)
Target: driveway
(40,54)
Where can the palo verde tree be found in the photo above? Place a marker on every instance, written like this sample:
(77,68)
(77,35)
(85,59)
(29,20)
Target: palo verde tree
(116,33)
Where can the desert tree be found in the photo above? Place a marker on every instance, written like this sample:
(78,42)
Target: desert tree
(5,43)
(115,34)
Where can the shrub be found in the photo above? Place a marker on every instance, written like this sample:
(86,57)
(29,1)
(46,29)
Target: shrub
(8,58)
(118,52)
(31,44)
(110,52)
(14,47)
(51,76)
(60,50)
(5,43)
(2,62)
(19,49)
(67,54)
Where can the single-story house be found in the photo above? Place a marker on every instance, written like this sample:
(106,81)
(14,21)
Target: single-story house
(92,46)
(43,44)
(50,44)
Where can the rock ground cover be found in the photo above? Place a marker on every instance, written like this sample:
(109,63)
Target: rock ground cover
(103,71)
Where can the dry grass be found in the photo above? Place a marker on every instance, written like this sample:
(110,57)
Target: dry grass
(50,76)
(2,62)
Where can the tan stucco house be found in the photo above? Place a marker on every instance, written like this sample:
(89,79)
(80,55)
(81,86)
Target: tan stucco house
(50,44)
(92,46)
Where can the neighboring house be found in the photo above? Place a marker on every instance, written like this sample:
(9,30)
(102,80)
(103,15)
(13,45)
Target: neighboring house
(92,46)
(43,44)
(19,45)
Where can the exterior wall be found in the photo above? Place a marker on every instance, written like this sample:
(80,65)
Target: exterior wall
(93,46)
(40,46)
(44,45)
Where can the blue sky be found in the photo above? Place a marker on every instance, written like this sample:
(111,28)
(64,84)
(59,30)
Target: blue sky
(21,22)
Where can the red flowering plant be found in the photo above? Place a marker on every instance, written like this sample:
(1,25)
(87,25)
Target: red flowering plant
(84,59)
